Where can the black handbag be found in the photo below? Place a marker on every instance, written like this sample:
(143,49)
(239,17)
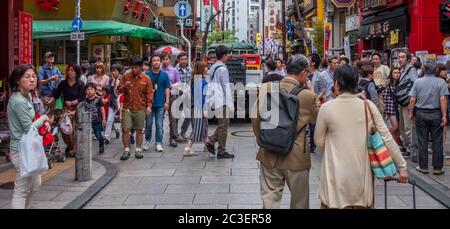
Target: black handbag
(402,91)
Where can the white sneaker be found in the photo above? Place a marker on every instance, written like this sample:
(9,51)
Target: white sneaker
(188,151)
(159,148)
(146,146)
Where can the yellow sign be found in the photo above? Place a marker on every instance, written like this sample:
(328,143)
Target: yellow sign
(258,38)
(446,45)
(394,37)
(431,56)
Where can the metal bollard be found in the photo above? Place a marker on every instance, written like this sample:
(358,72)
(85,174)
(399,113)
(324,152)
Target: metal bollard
(83,157)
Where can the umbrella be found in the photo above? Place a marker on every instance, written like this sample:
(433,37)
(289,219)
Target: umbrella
(169,49)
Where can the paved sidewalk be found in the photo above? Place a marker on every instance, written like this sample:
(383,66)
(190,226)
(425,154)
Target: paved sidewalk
(170,180)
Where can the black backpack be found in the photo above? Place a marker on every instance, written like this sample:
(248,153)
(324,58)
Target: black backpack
(280,137)
(403,89)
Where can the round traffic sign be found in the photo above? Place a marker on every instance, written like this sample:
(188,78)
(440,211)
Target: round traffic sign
(183,9)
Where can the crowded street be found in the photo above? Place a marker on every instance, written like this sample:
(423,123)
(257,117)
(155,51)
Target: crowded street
(225,104)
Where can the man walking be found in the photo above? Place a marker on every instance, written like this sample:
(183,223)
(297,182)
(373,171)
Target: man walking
(220,98)
(137,90)
(185,78)
(161,86)
(326,80)
(293,168)
(174,77)
(408,132)
(380,68)
(428,98)
(49,77)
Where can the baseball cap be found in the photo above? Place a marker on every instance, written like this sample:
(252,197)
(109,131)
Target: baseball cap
(47,54)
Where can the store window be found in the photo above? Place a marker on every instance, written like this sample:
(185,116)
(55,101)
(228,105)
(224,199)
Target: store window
(65,51)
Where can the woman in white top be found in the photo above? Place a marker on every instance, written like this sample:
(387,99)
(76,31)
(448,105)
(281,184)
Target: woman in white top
(346,179)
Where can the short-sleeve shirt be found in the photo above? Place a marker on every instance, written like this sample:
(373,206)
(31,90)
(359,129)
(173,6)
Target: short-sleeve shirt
(94,106)
(45,72)
(161,82)
(174,77)
(428,91)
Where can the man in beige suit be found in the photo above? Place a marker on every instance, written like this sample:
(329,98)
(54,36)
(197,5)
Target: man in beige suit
(292,169)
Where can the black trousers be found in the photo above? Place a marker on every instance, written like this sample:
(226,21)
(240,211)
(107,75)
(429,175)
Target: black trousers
(429,122)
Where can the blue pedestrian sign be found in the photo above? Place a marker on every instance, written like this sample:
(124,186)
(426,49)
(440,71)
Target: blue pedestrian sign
(77,25)
(183,9)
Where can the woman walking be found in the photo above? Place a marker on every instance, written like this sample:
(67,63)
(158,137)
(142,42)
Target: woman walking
(346,179)
(23,80)
(391,109)
(100,78)
(113,104)
(199,132)
(71,89)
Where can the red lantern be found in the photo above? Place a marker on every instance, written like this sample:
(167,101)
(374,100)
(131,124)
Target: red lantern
(48,5)
(127,7)
(137,8)
(145,13)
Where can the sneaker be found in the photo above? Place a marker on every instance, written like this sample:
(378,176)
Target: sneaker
(438,171)
(173,144)
(422,170)
(125,156)
(139,154)
(107,142)
(117,134)
(225,155)
(146,146)
(406,154)
(188,151)
(159,148)
(132,141)
(102,150)
(210,148)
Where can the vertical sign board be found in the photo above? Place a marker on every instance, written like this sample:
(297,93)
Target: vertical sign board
(190,22)
(206,13)
(25,38)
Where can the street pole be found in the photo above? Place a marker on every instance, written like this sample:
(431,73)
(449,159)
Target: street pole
(263,8)
(283,15)
(223,21)
(187,41)
(78,14)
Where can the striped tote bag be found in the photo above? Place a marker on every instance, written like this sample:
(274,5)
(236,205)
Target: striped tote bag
(383,167)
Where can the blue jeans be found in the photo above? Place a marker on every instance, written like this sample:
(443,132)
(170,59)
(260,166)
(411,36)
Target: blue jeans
(158,113)
(98,127)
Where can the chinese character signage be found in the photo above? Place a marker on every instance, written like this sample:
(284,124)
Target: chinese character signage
(206,13)
(136,12)
(189,23)
(25,38)
(385,27)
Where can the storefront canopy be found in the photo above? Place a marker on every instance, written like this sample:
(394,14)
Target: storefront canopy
(54,29)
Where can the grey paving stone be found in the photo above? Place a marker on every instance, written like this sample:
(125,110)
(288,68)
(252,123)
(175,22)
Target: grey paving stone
(47,187)
(124,181)
(47,205)
(202,172)
(235,164)
(148,172)
(191,207)
(393,201)
(245,172)
(171,180)
(109,199)
(120,207)
(198,188)
(230,179)
(135,189)
(423,201)
(238,199)
(186,164)
(170,199)
(238,206)
(44,195)
(67,196)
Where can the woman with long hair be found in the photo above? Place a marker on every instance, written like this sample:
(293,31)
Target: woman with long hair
(23,81)
(71,89)
(391,109)
(199,120)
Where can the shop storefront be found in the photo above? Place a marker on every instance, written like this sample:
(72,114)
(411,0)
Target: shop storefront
(116,32)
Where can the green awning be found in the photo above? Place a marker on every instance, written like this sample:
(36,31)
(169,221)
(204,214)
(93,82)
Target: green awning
(53,29)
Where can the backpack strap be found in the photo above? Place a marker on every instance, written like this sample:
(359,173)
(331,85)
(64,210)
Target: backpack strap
(297,89)
(215,70)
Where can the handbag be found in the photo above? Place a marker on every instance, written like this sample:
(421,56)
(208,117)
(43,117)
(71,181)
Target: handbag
(33,161)
(66,125)
(402,91)
(380,158)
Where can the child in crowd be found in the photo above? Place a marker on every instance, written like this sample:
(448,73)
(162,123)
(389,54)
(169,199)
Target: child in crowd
(46,131)
(95,106)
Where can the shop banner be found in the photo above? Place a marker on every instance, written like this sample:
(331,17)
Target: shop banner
(343,3)
(347,47)
(205,14)
(327,30)
(25,38)
(446,45)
